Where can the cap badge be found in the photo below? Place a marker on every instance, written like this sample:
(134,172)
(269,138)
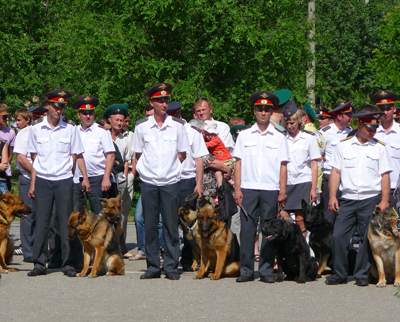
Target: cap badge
(384,101)
(163,92)
(376,116)
(87,105)
(264,102)
(373,121)
(62,93)
(342,103)
(61,99)
(382,93)
(87,98)
(163,86)
(264,95)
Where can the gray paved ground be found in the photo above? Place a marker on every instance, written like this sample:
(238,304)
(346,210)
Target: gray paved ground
(58,298)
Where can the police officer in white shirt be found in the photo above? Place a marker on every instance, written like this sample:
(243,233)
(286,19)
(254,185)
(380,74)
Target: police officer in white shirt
(360,169)
(99,152)
(342,114)
(192,174)
(262,155)
(54,144)
(202,111)
(389,133)
(160,143)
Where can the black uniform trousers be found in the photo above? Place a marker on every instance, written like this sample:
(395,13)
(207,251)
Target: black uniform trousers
(93,196)
(164,200)
(267,203)
(329,215)
(353,215)
(47,192)
(27,225)
(186,187)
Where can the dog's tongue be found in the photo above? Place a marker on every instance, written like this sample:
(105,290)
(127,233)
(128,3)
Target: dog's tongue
(268,237)
(205,233)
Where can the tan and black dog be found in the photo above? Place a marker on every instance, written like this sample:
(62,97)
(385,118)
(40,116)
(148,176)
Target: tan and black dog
(100,244)
(11,206)
(219,246)
(112,212)
(191,232)
(385,245)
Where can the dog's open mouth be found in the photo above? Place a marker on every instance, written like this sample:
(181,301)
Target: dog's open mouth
(205,233)
(271,237)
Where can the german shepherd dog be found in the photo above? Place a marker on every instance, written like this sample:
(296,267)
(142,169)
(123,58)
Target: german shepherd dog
(321,232)
(219,246)
(385,246)
(11,206)
(100,244)
(191,232)
(112,212)
(292,251)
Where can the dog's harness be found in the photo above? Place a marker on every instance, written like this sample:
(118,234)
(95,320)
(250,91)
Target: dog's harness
(189,228)
(3,216)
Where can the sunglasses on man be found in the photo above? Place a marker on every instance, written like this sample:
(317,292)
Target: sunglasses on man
(5,117)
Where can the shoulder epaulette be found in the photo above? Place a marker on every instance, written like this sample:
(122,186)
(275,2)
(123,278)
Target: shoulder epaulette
(195,128)
(142,121)
(309,132)
(37,121)
(68,121)
(102,127)
(281,132)
(326,128)
(376,140)
(178,120)
(345,139)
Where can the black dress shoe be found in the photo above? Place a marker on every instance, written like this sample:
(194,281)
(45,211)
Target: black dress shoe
(36,272)
(242,279)
(335,280)
(54,265)
(28,260)
(150,275)
(267,279)
(173,276)
(362,282)
(69,271)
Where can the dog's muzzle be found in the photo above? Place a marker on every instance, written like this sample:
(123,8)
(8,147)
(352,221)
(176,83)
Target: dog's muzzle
(74,235)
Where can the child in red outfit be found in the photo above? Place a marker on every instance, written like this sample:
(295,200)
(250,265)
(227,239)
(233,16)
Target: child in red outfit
(217,148)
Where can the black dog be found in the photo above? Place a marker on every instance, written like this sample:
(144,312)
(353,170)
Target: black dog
(292,251)
(321,232)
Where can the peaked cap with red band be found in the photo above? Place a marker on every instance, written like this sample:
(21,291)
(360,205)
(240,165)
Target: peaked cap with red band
(323,111)
(40,110)
(162,90)
(384,99)
(264,98)
(58,97)
(85,103)
(342,107)
(370,120)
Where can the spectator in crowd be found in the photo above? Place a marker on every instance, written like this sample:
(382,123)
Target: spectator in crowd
(8,136)
(236,120)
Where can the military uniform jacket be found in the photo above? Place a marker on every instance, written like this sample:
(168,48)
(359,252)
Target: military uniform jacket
(54,148)
(159,164)
(361,167)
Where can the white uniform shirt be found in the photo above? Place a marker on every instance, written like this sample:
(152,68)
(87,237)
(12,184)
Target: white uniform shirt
(261,155)
(125,149)
(20,147)
(54,148)
(159,164)
(224,133)
(129,135)
(361,167)
(392,141)
(96,141)
(197,149)
(332,136)
(303,148)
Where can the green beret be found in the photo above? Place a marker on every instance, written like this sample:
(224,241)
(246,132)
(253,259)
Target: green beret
(116,109)
(284,95)
(237,128)
(310,112)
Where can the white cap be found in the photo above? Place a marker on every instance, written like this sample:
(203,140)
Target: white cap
(211,127)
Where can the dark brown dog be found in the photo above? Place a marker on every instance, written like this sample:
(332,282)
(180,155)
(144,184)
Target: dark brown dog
(385,247)
(191,232)
(112,212)
(11,206)
(100,244)
(219,246)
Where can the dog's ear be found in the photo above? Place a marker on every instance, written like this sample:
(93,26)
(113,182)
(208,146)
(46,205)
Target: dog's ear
(119,197)
(285,226)
(103,202)
(9,198)
(2,195)
(320,206)
(186,207)
(376,211)
(82,214)
(303,203)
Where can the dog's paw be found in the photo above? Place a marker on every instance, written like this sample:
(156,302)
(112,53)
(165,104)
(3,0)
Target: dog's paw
(81,275)
(92,276)
(280,278)
(198,277)
(4,272)
(214,276)
(301,280)
(381,284)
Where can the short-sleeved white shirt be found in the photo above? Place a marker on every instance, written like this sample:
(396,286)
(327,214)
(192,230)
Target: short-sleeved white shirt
(159,164)
(261,155)
(96,141)
(197,149)
(54,148)
(361,167)
(392,141)
(20,147)
(224,133)
(125,149)
(332,136)
(303,148)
